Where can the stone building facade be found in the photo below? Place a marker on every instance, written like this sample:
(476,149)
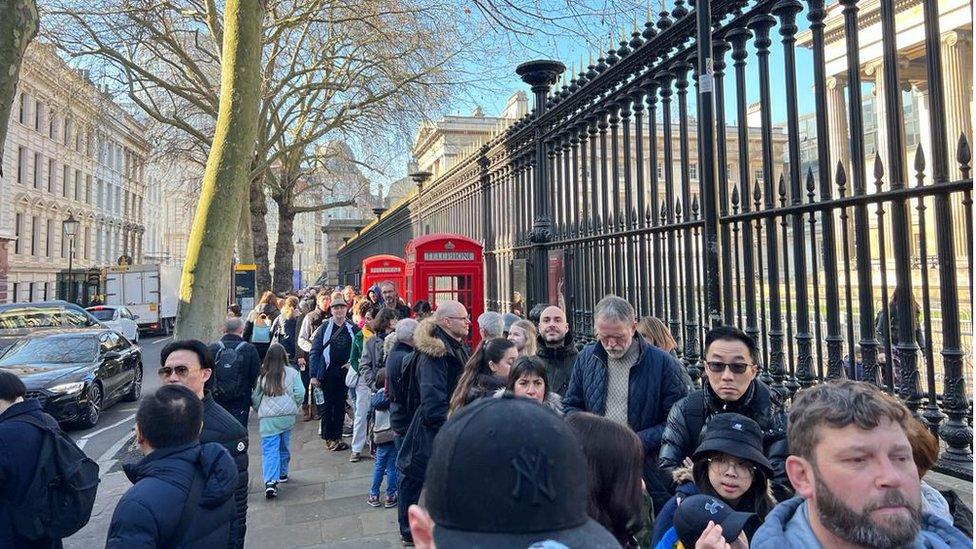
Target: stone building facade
(70,151)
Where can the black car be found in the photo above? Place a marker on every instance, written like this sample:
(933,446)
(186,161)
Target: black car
(20,319)
(76,373)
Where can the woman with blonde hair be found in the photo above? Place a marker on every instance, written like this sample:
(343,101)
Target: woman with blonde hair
(523,334)
(657,334)
(257,328)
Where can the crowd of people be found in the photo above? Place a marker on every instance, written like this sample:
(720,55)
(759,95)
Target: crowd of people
(527,440)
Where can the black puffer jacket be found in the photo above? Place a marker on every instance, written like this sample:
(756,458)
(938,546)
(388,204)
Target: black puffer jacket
(559,362)
(441,359)
(221,427)
(401,407)
(690,416)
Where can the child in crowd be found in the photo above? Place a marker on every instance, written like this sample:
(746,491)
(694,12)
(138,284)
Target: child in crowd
(276,397)
(385,451)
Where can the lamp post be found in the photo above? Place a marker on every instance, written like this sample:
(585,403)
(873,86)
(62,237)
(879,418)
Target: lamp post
(70,228)
(300,247)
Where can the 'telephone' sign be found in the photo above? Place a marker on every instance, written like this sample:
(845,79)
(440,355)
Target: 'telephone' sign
(448,256)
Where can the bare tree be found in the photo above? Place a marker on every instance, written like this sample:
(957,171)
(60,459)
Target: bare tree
(18,27)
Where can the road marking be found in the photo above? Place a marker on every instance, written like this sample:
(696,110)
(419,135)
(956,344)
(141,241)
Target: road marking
(105,461)
(155,341)
(103,429)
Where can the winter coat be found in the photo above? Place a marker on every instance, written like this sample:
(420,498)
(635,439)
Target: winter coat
(559,362)
(150,511)
(372,359)
(655,385)
(272,313)
(285,332)
(221,427)
(20,445)
(788,526)
(310,323)
(250,362)
(695,411)
(401,408)
(317,361)
(402,310)
(275,413)
(484,385)
(441,359)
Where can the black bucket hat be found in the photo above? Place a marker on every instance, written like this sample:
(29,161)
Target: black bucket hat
(737,436)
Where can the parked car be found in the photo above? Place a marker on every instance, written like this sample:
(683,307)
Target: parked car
(20,319)
(117,318)
(76,373)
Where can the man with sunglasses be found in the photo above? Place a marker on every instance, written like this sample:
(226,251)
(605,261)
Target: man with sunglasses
(731,367)
(189,363)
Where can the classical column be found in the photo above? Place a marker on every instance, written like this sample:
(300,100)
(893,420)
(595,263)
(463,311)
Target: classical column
(957,71)
(837,122)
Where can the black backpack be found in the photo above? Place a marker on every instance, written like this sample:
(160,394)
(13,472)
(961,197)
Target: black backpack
(229,374)
(59,500)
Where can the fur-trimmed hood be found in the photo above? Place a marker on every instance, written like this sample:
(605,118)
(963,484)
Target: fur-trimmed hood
(427,340)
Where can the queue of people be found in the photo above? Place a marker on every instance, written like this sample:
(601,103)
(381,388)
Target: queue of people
(526,440)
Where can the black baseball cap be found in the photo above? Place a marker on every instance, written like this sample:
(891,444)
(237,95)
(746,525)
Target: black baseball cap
(509,473)
(694,513)
(737,436)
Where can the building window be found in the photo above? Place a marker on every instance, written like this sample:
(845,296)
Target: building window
(30,292)
(49,238)
(78,188)
(35,234)
(18,232)
(53,126)
(693,172)
(24,114)
(38,115)
(98,194)
(68,126)
(758,175)
(88,189)
(21,165)
(67,180)
(38,170)
(51,174)
(87,248)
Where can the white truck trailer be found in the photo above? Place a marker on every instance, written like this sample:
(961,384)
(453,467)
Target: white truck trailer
(151,292)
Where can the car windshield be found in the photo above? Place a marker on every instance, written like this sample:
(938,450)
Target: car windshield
(48,350)
(102,314)
(17,319)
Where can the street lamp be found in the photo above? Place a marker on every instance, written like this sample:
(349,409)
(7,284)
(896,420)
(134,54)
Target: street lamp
(70,228)
(300,247)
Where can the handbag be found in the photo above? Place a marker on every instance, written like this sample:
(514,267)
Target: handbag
(352,377)
(261,334)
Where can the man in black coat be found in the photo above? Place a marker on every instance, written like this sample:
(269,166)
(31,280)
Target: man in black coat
(437,362)
(391,300)
(20,446)
(154,513)
(402,406)
(625,379)
(189,363)
(556,348)
(241,367)
(731,358)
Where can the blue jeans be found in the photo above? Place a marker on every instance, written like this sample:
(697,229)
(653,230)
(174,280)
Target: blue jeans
(275,456)
(386,455)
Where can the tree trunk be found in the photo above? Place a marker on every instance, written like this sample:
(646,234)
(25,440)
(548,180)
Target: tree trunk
(245,240)
(205,283)
(285,250)
(259,234)
(18,26)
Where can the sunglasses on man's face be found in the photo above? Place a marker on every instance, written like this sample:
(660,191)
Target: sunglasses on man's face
(719,367)
(166,371)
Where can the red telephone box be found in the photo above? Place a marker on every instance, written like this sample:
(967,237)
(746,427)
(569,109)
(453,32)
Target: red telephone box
(445,266)
(380,268)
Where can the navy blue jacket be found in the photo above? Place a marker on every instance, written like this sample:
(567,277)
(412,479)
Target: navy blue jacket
(655,386)
(20,444)
(664,520)
(150,511)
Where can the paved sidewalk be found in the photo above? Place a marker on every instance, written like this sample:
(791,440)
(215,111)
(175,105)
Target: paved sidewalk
(322,505)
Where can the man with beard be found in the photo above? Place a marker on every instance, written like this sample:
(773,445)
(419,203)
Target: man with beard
(556,348)
(856,482)
(391,300)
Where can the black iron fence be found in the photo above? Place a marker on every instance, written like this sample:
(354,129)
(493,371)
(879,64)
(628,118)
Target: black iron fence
(851,266)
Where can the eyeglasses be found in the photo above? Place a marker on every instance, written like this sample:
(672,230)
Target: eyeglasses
(461,318)
(739,468)
(736,367)
(166,371)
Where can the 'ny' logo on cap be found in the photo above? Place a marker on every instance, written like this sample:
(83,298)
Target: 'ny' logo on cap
(712,507)
(533,469)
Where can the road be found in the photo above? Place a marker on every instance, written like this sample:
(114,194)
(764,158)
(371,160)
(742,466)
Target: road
(110,444)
